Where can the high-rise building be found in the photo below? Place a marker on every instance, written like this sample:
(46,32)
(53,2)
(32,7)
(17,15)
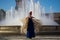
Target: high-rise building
(18,4)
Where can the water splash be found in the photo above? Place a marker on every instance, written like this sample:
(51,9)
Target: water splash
(13,17)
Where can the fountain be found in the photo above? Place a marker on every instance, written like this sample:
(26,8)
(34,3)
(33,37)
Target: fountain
(13,16)
(51,15)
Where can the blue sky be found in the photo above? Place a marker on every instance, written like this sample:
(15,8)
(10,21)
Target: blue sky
(6,4)
(54,3)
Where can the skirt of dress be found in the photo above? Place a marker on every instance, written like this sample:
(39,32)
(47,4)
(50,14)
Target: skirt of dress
(30,29)
(26,23)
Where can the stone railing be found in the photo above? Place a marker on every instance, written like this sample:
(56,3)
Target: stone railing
(16,29)
(9,29)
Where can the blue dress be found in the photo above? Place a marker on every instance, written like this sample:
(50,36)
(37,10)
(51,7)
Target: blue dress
(30,29)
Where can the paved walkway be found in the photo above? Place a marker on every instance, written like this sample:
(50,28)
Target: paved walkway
(24,38)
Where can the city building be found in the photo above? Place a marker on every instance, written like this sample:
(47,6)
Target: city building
(2,14)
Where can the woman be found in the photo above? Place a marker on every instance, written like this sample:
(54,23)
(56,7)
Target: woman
(30,28)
